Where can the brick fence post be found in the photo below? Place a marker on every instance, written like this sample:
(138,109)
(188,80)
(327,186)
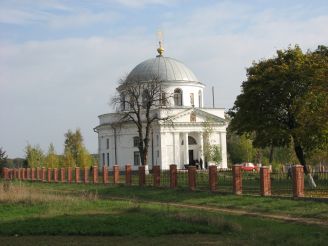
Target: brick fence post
(265,181)
(44,174)
(157,176)
(24,173)
(56,175)
(298,181)
(142,175)
(69,175)
(213,177)
(77,175)
(237,180)
(105,175)
(173,176)
(18,173)
(62,175)
(28,173)
(95,174)
(5,173)
(192,177)
(49,174)
(86,175)
(33,174)
(128,175)
(116,174)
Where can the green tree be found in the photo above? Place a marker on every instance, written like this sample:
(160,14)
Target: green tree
(273,106)
(34,156)
(3,158)
(52,159)
(75,153)
(240,148)
(73,142)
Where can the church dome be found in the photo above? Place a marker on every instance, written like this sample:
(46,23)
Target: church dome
(164,68)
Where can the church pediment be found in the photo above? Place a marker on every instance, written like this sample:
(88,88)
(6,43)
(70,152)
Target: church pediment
(194,115)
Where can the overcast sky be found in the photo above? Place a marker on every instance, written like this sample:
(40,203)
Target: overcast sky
(60,60)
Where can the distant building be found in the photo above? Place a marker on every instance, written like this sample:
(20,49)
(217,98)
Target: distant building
(180,143)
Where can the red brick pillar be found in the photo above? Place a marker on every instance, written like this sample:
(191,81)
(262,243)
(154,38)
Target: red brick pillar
(213,177)
(5,173)
(77,175)
(95,174)
(28,173)
(86,175)
(157,176)
(56,175)
(105,175)
(18,173)
(33,174)
(298,181)
(265,181)
(116,174)
(237,180)
(49,174)
(62,175)
(69,175)
(142,175)
(24,173)
(44,179)
(173,176)
(192,177)
(128,174)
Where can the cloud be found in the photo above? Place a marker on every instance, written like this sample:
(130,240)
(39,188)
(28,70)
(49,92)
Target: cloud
(50,86)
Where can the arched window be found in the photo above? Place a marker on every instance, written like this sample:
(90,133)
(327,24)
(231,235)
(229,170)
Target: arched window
(192,117)
(200,99)
(191,141)
(178,97)
(122,102)
(145,98)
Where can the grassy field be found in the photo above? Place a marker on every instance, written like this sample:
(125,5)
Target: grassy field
(39,214)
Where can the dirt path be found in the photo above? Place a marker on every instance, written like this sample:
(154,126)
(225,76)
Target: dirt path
(283,217)
(236,211)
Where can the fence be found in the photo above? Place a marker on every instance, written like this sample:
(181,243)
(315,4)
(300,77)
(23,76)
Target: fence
(234,181)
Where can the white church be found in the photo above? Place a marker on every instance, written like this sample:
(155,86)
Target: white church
(180,142)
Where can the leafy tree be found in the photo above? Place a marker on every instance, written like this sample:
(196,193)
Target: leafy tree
(138,102)
(75,153)
(73,143)
(3,158)
(34,156)
(277,98)
(240,148)
(52,159)
(68,159)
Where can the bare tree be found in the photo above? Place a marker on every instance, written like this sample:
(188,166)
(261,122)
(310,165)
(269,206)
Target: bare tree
(139,102)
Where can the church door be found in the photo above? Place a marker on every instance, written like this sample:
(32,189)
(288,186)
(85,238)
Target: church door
(191,157)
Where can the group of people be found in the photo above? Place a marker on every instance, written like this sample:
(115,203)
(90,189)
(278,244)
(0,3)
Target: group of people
(198,164)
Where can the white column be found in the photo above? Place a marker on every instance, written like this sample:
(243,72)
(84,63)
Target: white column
(223,145)
(176,149)
(201,147)
(186,149)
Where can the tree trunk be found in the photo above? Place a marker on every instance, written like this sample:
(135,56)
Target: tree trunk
(300,156)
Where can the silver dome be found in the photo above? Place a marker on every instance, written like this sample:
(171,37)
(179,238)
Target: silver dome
(163,68)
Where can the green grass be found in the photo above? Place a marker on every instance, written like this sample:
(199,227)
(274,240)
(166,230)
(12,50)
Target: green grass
(36,210)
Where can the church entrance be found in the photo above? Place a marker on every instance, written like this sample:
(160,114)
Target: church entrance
(191,157)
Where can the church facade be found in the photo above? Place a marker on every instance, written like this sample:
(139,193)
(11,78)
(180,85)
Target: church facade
(179,142)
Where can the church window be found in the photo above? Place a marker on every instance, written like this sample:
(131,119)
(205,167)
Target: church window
(135,141)
(157,140)
(178,97)
(200,99)
(122,102)
(191,141)
(163,99)
(192,101)
(136,158)
(193,117)
(107,159)
(103,159)
(145,98)
(107,143)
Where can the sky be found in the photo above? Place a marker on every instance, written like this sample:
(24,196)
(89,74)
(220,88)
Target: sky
(60,61)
